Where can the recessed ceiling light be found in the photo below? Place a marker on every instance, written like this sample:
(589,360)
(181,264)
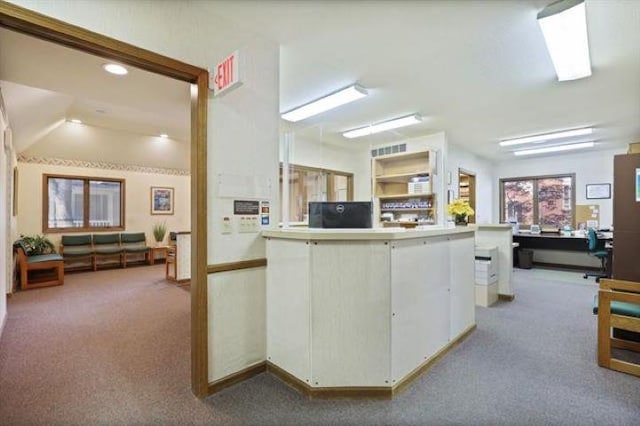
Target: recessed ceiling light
(164,135)
(115,69)
(547,137)
(76,121)
(556,148)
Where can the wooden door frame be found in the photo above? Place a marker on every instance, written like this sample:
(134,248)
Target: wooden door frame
(43,27)
(462,171)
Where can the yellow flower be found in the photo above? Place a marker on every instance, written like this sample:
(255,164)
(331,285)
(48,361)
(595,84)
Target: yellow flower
(460,208)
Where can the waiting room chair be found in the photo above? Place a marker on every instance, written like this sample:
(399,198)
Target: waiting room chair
(618,308)
(135,243)
(106,246)
(170,262)
(51,264)
(595,251)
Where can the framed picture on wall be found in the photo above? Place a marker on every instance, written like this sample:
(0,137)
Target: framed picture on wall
(597,191)
(161,200)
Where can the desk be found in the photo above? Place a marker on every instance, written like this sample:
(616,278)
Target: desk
(559,242)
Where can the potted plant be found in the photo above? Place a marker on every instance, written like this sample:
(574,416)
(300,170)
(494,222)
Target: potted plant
(37,244)
(159,231)
(461,210)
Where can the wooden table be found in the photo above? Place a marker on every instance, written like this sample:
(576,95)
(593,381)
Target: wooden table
(159,249)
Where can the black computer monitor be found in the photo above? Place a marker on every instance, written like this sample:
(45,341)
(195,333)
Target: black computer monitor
(348,214)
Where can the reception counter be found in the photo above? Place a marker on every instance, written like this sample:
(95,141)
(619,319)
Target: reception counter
(360,313)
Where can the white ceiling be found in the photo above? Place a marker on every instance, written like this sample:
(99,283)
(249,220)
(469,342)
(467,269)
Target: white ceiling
(43,84)
(478,70)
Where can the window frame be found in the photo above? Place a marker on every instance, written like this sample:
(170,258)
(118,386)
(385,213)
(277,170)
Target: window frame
(330,174)
(535,195)
(85,203)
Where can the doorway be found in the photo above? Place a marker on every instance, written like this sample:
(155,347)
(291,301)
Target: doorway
(467,190)
(34,24)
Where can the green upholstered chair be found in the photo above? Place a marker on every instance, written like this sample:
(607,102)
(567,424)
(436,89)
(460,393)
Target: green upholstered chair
(77,247)
(135,244)
(107,246)
(596,251)
(618,310)
(50,266)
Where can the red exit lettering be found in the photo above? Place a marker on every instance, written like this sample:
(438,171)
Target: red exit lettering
(224,75)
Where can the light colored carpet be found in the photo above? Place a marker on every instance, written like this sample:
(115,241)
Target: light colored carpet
(112,347)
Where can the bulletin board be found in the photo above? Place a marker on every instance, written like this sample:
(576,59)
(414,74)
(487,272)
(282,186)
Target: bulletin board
(587,216)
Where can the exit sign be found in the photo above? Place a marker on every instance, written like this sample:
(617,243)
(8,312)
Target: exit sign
(226,75)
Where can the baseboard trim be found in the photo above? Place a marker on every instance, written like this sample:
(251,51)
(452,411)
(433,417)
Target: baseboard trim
(506,297)
(351,392)
(237,377)
(366,392)
(563,266)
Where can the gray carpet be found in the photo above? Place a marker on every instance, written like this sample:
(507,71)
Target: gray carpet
(531,361)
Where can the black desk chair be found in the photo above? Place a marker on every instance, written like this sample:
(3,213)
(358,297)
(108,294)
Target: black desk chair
(598,252)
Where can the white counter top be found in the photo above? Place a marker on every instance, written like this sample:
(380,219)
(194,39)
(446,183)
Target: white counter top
(366,234)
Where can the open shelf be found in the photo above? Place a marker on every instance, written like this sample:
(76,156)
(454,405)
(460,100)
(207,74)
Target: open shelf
(405,195)
(401,177)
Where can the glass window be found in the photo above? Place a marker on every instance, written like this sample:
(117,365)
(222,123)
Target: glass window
(311,184)
(83,204)
(542,200)
(518,201)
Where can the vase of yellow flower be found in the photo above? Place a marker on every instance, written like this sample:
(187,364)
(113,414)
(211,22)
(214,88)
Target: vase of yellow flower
(461,210)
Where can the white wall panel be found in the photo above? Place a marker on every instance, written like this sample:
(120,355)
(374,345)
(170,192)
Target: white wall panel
(420,302)
(236,321)
(460,158)
(288,307)
(462,272)
(183,261)
(350,314)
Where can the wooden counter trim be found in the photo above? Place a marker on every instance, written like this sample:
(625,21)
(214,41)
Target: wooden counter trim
(236,266)
(360,392)
(237,377)
(506,297)
(46,28)
(366,392)
(426,366)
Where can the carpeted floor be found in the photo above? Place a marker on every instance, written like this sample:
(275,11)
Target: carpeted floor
(112,347)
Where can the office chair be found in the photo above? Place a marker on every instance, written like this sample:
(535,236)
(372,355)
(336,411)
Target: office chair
(599,253)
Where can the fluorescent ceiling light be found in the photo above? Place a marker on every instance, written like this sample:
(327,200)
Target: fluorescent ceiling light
(164,135)
(556,148)
(333,100)
(76,121)
(385,125)
(547,137)
(564,26)
(115,69)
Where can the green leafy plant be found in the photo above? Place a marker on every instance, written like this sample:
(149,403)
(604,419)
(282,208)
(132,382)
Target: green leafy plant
(159,231)
(37,244)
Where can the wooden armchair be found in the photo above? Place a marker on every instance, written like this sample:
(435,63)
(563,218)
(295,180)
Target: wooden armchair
(49,266)
(618,308)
